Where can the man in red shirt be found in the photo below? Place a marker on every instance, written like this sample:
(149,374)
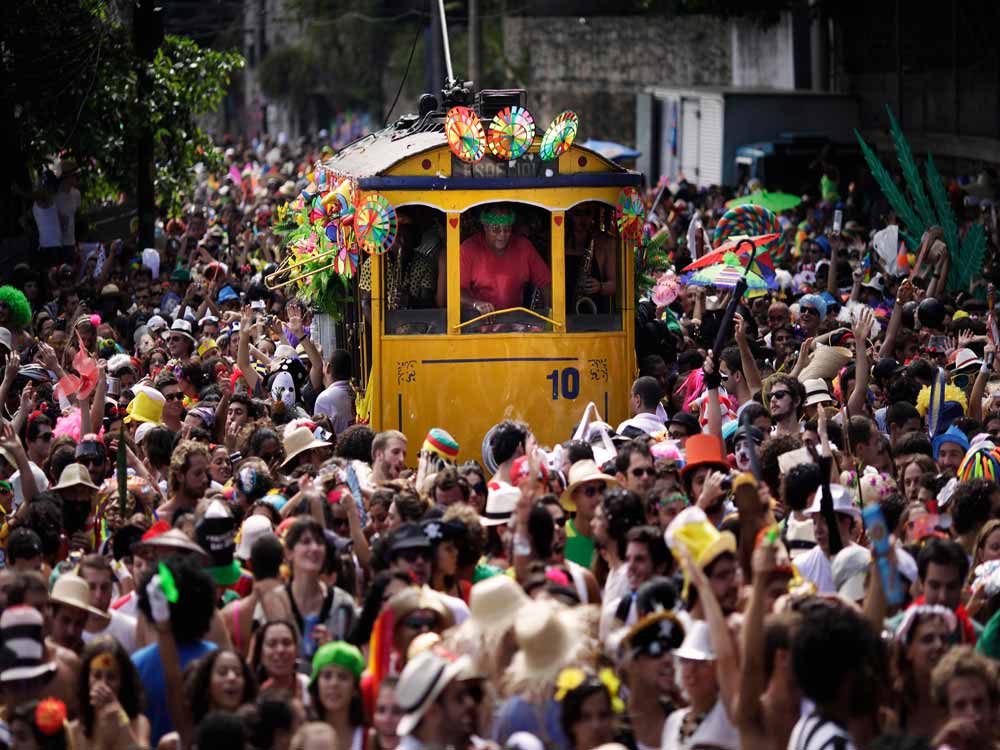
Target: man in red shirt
(496,264)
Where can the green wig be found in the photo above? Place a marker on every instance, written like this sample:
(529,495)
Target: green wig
(20,310)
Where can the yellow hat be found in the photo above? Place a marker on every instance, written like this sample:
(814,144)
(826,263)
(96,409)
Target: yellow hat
(692,530)
(145,407)
(958,315)
(205,345)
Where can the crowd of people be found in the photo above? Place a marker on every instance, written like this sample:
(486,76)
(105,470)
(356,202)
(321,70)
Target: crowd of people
(793,542)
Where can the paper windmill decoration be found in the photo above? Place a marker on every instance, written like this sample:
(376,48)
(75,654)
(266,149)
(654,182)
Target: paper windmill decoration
(346,262)
(375,224)
(511,133)
(631,214)
(560,135)
(465,134)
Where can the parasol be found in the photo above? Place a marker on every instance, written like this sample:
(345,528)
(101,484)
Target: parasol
(465,134)
(511,133)
(749,221)
(726,275)
(631,214)
(375,224)
(763,263)
(559,136)
(776,202)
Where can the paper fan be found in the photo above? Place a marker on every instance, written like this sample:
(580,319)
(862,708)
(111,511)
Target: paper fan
(560,135)
(375,224)
(631,213)
(465,134)
(511,133)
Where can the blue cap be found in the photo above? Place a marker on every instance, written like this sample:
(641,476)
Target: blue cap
(226,294)
(951,435)
(814,300)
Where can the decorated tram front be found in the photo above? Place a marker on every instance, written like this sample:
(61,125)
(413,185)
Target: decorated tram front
(390,237)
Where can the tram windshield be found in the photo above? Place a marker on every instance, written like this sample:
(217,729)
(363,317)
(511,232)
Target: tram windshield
(505,259)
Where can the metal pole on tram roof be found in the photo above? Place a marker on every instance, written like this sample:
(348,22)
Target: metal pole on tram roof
(447,47)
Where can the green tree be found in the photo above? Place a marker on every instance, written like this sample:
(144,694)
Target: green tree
(68,74)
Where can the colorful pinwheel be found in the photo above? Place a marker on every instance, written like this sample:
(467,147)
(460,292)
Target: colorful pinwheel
(375,224)
(465,134)
(511,133)
(559,136)
(631,213)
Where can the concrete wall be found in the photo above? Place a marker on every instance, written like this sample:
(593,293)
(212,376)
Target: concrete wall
(597,66)
(764,57)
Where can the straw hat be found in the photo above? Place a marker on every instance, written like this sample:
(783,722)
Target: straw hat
(23,655)
(495,603)
(414,598)
(546,637)
(147,406)
(500,505)
(74,591)
(74,475)
(423,680)
(173,540)
(298,441)
(582,472)
(817,392)
(826,362)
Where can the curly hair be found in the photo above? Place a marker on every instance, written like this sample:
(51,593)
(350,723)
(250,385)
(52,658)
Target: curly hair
(971,504)
(198,684)
(180,460)
(769,452)
(17,303)
(355,443)
(131,695)
(623,510)
(471,544)
(965,661)
(191,615)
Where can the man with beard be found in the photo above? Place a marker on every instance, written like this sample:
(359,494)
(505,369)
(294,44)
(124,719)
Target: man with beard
(173,401)
(188,478)
(78,494)
(785,397)
(816,564)
(712,551)
(70,608)
(615,514)
(440,702)
(388,456)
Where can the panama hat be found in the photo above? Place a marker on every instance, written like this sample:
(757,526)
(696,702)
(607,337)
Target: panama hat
(298,441)
(181,326)
(843,502)
(697,645)
(23,655)
(582,472)
(73,591)
(817,392)
(424,679)
(75,475)
(825,363)
(500,504)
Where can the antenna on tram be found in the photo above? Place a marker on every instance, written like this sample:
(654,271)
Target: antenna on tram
(447,46)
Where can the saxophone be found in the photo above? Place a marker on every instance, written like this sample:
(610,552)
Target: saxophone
(584,304)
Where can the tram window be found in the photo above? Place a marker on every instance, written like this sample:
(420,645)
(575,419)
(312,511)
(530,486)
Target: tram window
(413,275)
(505,261)
(593,269)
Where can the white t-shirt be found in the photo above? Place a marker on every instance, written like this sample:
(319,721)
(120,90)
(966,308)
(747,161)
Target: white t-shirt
(616,586)
(121,628)
(68,203)
(41,482)
(812,732)
(49,229)
(337,402)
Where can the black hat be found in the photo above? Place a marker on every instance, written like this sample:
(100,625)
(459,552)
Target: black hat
(885,369)
(408,536)
(756,434)
(658,594)
(688,421)
(655,634)
(438,531)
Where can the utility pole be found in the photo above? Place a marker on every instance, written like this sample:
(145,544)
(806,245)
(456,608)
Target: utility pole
(147,35)
(475,42)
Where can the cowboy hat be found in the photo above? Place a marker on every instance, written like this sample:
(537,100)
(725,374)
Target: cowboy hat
(73,591)
(298,441)
(75,475)
(580,473)
(173,540)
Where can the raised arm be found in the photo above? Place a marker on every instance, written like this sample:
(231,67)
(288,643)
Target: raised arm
(243,352)
(862,370)
(903,295)
(749,710)
(750,371)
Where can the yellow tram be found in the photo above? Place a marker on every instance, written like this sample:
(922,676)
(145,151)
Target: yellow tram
(428,358)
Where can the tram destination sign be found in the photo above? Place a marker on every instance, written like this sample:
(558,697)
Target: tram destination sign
(529,165)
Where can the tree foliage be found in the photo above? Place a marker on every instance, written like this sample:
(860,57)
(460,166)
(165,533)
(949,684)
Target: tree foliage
(70,75)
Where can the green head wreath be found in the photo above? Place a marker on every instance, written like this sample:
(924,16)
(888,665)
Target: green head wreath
(20,310)
(497,215)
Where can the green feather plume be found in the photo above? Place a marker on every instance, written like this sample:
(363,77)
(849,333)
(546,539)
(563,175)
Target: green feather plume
(969,261)
(891,191)
(942,205)
(911,173)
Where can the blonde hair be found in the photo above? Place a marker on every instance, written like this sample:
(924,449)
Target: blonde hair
(180,460)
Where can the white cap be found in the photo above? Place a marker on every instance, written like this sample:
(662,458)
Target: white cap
(850,569)
(253,528)
(142,430)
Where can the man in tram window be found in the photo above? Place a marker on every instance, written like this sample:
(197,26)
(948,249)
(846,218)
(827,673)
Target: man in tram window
(591,272)
(408,278)
(497,265)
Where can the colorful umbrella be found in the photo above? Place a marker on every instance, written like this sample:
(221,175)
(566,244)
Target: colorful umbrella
(511,133)
(763,264)
(776,202)
(559,136)
(375,224)
(631,214)
(748,221)
(465,134)
(727,274)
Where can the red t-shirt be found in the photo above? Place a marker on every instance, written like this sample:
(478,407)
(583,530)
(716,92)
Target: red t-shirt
(500,279)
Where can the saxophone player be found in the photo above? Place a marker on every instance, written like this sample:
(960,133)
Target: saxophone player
(591,271)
